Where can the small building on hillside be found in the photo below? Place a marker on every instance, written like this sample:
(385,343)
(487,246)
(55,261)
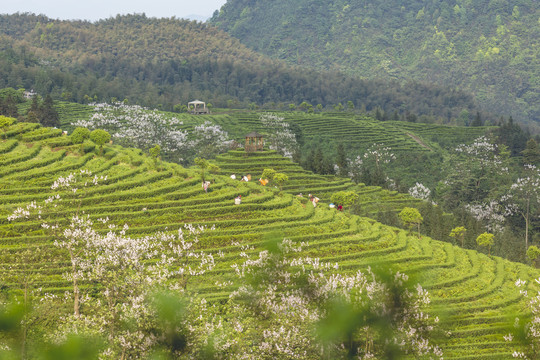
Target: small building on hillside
(254,142)
(197,107)
(29,94)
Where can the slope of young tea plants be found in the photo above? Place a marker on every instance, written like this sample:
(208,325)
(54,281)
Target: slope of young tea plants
(471,293)
(356,132)
(302,182)
(419,148)
(415,145)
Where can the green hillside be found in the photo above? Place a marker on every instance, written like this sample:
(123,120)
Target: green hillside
(356,132)
(473,293)
(427,144)
(166,62)
(425,155)
(488,48)
(371,198)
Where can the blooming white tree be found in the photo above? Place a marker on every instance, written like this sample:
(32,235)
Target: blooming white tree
(523,198)
(279,135)
(476,172)
(419,191)
(133,125)
(369,167)
(126,268)
(179,259)
(379,154)
(209,140)
(484,150)
(127,278)
(491,213)
(291,295)
(71,189)
(527,330)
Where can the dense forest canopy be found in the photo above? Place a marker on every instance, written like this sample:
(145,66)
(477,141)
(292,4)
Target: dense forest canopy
(487,47)
(164,62)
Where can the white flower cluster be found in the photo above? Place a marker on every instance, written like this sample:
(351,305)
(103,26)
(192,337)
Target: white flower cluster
(279,135)
(24,212)
(63,182)
(209,131)
(492,213)
(143,128)
(209,139)
(355,167)
(375,156)
(380,154)
(126,268)
(530,328)
(524,192)
(121,265)
(68,182)
(479,147)
(419,191)
(137,126)
(179,251)
(290,312)
(529,185)
(485,152)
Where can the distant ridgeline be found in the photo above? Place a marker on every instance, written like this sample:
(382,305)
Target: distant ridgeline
(165,62)
(487,47)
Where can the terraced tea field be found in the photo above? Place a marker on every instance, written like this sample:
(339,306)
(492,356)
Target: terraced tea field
(471,292)
(358,132)
(355,132)
(372,198)
(444,136)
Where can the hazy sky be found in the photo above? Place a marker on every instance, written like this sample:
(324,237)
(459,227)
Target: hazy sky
(100,9)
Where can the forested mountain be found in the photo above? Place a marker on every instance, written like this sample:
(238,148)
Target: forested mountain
(164,62)
(487,47)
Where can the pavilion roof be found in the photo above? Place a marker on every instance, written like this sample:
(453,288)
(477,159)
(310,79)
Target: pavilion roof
(254,134)
(196,102)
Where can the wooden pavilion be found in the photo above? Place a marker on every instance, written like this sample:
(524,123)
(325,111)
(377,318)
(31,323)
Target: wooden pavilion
(254,142)
(197,107)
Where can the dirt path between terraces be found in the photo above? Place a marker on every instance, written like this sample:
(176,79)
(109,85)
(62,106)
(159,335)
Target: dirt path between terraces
(419,141)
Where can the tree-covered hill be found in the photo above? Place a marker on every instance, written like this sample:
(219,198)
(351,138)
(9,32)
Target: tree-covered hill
(487,47)
(165,62)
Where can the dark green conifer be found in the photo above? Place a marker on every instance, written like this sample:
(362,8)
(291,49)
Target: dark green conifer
(48,116)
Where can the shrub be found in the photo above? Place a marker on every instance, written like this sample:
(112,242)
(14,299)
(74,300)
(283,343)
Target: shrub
(268,174)
(203,164)
(88,147)
(79,135)
(155,152)
(213,168)
(5,122)
(411,216)
(100,137)
(344,198)
(532,253)
(459,233)
(485,239)
(280,179)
